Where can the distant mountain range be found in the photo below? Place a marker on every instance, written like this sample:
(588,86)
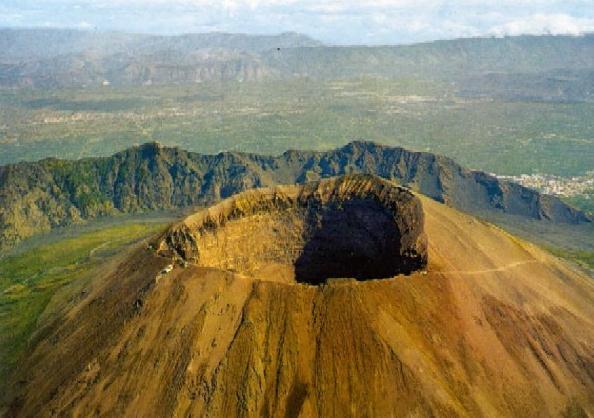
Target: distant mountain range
(57,58)
(22,45)
(36,197)
(554,67)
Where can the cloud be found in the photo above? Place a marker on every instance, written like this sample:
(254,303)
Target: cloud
(333,21)
(83,24)
(538,24)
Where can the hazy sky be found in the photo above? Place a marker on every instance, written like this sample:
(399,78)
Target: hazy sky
(333,21)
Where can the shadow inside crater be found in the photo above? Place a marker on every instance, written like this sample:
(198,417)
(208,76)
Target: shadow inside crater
(351,239)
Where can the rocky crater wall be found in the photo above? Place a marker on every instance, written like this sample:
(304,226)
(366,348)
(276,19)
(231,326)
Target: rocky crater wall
(356,226)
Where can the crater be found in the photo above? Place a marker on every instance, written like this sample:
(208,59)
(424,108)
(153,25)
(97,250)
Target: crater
(357,226)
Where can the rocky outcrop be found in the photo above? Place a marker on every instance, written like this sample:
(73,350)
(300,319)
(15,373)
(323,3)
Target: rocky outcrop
(36,197)
(357,226)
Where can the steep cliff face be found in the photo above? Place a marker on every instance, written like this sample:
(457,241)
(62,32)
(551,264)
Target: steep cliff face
(491,326)
(36,197)
(355,226)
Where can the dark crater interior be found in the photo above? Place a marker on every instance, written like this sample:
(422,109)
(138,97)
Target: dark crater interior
(356,239)
(353,227)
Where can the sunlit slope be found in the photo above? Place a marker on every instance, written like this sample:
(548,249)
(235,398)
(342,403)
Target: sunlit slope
(496,327)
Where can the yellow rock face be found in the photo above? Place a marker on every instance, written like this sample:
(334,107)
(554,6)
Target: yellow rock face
(492,326)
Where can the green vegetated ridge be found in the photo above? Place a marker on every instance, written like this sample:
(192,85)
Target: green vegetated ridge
(585,202)
(38,197)
(584,259)
(29,281)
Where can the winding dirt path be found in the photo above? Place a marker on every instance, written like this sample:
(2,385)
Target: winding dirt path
(493,270)
(97,248)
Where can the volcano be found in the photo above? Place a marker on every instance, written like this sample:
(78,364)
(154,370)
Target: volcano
(350,296)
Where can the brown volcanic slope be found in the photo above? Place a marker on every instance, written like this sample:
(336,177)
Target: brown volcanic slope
(490,326)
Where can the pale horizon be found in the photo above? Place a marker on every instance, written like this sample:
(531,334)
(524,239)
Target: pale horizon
(368,22)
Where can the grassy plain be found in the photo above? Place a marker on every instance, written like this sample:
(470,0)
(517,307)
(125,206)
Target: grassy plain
(505,137)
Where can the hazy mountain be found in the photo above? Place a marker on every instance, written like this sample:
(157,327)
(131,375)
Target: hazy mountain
(36,197)
(45,58)
(26,45)
(55,58)
(453,59)
(22,45)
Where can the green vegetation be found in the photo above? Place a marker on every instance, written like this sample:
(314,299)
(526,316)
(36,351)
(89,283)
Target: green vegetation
(495,135)
(584,259)
(584,202)
(29,280)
